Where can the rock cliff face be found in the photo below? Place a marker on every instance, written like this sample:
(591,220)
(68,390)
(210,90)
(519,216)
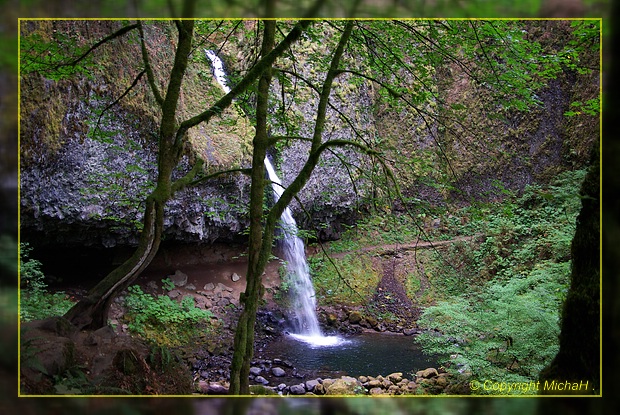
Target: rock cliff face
(84,175)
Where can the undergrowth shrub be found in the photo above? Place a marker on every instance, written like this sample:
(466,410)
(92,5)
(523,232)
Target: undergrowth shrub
(163,320)
(508,332)
(36,302)
(501,322)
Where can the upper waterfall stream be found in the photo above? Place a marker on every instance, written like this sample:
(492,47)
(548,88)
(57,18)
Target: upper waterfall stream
(306,326)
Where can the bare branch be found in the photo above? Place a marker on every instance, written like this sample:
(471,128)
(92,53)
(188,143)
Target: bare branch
(148,68)
(106,39)
(117,100)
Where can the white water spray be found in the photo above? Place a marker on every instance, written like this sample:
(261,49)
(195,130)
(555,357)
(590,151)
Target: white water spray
(303,296)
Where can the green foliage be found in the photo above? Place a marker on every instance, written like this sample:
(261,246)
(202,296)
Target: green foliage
(52,58)
(167,284)
(348,280)
(499,317)
(162,320)
(36,302)
(508,331)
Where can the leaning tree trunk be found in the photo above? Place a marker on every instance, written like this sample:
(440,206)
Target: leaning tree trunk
(92,311)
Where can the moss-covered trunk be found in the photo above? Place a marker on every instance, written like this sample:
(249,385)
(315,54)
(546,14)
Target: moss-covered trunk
(259,242)
(579,357)
(92,311)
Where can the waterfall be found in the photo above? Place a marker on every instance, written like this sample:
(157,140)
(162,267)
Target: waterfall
(302,291)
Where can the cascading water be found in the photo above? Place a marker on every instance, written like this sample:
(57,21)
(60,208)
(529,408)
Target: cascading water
(303,297)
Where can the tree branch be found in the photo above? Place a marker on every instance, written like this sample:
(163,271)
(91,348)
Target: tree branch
(116,101)
(251,76)
(148,68)
(106,39)
(246,171)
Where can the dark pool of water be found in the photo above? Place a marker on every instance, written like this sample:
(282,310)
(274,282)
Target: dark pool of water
(368,354)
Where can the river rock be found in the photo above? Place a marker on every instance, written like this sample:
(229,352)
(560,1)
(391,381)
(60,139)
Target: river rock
(376,391)
(261,380)
(174,294)
(212,388)
(346,385)
(395,377)
(355,317)
(278,371)
(179,278)
(427,373)
(298,389)
(441,380)
(312,384)
(332,319)
(235,277)
(372,322)
(209,286)
(374,383)
(255,371)
(284,363)
(223,287)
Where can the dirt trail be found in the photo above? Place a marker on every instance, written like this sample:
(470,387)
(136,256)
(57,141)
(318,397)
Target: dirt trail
(391,249)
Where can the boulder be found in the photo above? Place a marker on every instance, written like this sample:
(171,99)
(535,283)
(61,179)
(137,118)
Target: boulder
(278,372)
(235,277)
(174,294)
(284,363)
(261,380)
(179,278)
(312,384)
(374,383)
(255,371)
(427,373)
(395,377)
(332,319)
(346,385)
(327,383)
(441,381)
(319,389)
(376,391)
(212,388)
(298,389)
(372,322)
(409,388)
(223,287)
(209,286)
(355,317)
